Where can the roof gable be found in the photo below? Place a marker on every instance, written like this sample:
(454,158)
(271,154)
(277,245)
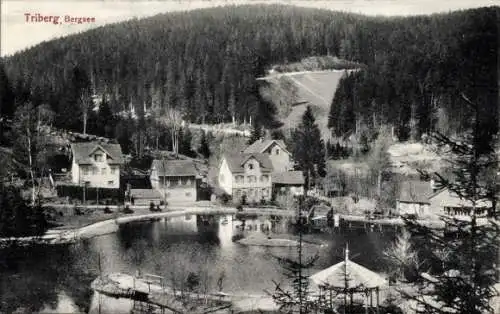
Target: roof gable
(236,162)
(260,146)
(82,152)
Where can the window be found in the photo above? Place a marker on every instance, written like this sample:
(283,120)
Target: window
(99,157)
(239,179)
(250,166)
(95,170)
(277,151)
(251,179)
(113,170)
(264,192)
(111,182)
(87,183)
(179,182)
(86,170)
(188,182)
(264,178)
(103,170)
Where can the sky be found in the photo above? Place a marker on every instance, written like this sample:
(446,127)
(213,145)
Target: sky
(17,33)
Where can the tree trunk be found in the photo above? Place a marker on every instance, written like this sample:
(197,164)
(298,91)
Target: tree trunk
(30,158)
(85,121)
(379,183)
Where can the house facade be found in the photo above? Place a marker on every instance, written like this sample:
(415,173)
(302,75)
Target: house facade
(414,199)
(246,176)
(280,157)
(96,164)
(445,202)
(176,180)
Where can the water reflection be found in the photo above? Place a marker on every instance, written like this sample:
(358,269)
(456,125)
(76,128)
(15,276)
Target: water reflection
(60,277)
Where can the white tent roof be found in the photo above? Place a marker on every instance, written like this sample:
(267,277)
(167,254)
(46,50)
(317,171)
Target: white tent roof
(356,276)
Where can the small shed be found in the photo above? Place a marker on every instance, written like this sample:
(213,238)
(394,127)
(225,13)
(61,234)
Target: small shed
(346,279)
(287,182)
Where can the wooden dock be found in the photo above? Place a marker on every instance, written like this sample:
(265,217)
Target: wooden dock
(151,294)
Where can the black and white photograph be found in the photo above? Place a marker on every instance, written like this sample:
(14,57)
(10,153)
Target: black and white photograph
(249,156)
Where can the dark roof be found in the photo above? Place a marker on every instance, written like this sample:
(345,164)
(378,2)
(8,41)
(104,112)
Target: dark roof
(82,152)
(175,168)
(235,162)
(260,146)
(415,192)
(288,177)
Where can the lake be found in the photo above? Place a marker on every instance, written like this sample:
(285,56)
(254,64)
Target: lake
(58,278)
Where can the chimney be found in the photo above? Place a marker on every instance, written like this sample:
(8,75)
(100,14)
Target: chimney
(433,186)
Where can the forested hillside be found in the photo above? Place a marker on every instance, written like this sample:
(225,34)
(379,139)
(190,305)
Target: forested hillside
(424,74)
(204,62)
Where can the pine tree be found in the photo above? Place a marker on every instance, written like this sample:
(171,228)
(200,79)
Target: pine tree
(185,137)
(204,149)
(309,149)
(298,300)
(7,97)
(257,132)
(465,270)
(106,119)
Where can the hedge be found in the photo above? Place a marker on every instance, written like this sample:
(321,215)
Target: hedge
(76,192)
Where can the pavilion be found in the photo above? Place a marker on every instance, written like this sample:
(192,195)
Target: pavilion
(348,278)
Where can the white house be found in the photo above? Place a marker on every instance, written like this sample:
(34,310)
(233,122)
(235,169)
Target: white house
(96,164)
(280,157)
(246,174)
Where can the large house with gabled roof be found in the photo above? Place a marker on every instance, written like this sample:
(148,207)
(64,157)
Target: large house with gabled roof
(246,174)
(96,164)
(254,172)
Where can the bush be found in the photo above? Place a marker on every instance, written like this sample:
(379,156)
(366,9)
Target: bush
(239,208)
(127,210)
(225,198)
(152,206)
(107,210)
(237,237)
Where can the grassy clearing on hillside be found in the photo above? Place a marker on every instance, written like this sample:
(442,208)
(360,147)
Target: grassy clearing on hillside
(312,88)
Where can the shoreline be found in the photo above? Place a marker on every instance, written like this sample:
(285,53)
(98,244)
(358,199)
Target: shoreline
(109,224)
(61,236)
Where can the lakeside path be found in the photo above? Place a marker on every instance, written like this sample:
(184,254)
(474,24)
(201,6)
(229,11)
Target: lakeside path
(101,224)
